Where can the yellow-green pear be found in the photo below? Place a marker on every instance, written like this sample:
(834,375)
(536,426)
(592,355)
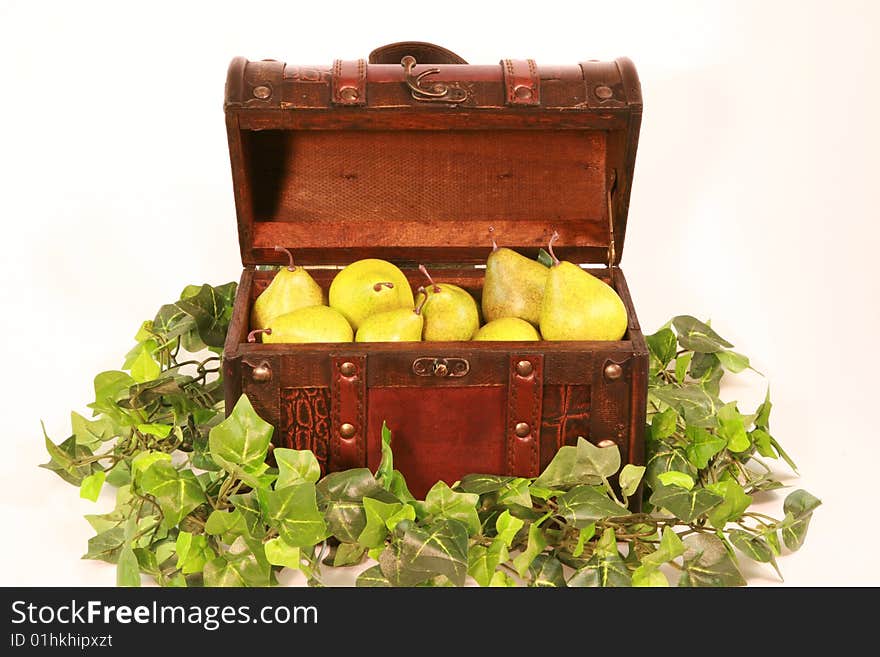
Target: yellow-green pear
(508,329)
(450,312)
(513,286)
(310,324)
(398,325)
(291,288)
(367,287)
(579,306)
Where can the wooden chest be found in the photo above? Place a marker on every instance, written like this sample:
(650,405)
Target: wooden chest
(411,156)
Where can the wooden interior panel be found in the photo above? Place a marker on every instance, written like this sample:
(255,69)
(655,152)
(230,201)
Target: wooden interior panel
(396,190)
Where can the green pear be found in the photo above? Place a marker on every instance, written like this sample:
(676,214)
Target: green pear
(310,324)
(291,288)
(398,325)
(450,312)
(513,286)
(579,306)
(508,329)
(367,287)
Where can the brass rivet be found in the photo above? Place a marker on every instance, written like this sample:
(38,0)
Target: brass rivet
(605,443)
(603,92)
(524,367)
(347,369)
(262,92)
(613,371)
(348,93)
(522,91)
(261,373)
(441,369)
(346,430)
(522,429)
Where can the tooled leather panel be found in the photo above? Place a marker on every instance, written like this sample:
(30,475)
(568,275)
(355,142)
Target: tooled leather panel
(566,416)
(305,421)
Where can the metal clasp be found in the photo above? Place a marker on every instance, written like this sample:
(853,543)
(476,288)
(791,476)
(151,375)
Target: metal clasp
(441,367)
(436,92)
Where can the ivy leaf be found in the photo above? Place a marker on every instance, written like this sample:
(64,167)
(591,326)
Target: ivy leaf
(675,478)
(682,363)
(295,466)
(534,547)
(63,460)
(377,514)
(732,361)
(798,508)
(91,433)
(754,547)
(293,511)
(697,336)
(697,405)
(177,492)
(685,504)
(248,506)
(546,571)
(237,570)
(483,560)
(106,545)
(128,572)
(545,258)
(762,415)
(649,576)
(145,368)
(516,493)
(663,424)
(584,535)
(407,512)
(581,464)
(386,464)
(142,462)
(734,503)
(502,580)
(193,552)
(348,554)
(209,308)
(602,461)
(707,563)
(662,346)
(763,443)
(280,553)
(443,502)
(665,459)
(372,577)
(417,555)
(482,483)
(630,477)
(91,486)
(732,429)
(340,499)
(225,523)
(583,505)
(605,568)
(507,527)
(242,438)
(702,446)
(703,365)
(110,387)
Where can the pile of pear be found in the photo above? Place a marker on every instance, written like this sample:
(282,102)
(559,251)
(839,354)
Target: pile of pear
(371,300)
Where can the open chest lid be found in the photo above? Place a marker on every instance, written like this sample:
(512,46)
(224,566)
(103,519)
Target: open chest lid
(413,155)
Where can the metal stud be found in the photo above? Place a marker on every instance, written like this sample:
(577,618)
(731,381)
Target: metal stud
(605,443)
(603,92)
(347,368)
(262,92)
(441,368)
(522,429)
(346,430)
(524,367)
(348,94)
(262,373)
(613,371)
(522,91)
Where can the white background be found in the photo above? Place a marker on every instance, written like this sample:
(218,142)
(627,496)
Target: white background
(754,205)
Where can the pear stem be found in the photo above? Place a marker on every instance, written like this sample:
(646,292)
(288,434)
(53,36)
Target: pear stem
(379,286)
(252,336)
(418,309)
(492,237)
(428,276)
(290,265)
(553,238)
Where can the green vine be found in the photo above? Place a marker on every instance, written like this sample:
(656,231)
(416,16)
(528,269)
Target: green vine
(197,504)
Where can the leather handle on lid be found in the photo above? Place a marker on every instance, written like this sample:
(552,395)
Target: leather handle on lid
(424,53)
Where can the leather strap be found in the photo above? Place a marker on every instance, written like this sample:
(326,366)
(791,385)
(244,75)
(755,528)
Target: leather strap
(349,85)
(425,53)
(347,414)
(522,86)
(524,414)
